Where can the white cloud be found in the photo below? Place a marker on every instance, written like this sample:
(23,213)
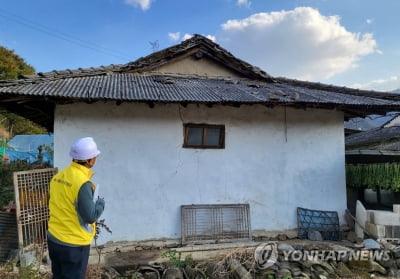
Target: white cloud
(177,35)
(212,38)
(188,36)
(243,3)
(370,20)
(299,43)
(386,84)
(143,4)
(174,36)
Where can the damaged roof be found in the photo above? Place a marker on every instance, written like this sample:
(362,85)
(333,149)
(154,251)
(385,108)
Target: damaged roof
(35,96)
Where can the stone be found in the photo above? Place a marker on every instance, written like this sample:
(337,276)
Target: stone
(343,270)
(396,252)
(370,244)
(386,263)
(284,273)
(359,240)
(29,258)
(314,235)
(351,236)
(367,266)
(172,245)
(393,273)
(387,244)
(282,237)
(285,247)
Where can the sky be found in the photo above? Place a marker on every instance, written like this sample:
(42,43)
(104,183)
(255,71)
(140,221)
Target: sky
(353,43)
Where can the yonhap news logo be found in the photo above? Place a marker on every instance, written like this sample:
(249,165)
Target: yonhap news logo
(331,255)
(267,254)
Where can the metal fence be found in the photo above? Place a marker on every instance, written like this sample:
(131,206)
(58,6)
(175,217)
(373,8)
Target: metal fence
(215,223)
(31,190)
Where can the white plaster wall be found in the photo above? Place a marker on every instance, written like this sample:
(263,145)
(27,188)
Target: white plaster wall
(274,159)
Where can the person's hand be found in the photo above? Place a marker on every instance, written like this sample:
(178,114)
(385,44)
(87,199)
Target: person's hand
(101,201)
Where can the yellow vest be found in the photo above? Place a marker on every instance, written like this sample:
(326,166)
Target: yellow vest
(63,205)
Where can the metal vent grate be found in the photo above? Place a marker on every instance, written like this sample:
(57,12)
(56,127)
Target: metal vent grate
(31,190)
(215,223)
(326,222)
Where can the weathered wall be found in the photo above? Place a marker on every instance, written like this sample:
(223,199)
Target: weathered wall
(202,67)
(274,159)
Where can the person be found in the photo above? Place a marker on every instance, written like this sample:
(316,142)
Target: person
(73,212)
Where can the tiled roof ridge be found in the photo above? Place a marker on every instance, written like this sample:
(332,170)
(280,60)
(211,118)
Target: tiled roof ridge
(336,88)
(151,61)
(63,74)
(205,46)
(201,46)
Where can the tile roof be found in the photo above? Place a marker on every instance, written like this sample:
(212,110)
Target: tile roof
(36,95)
(174,88)
(378,139)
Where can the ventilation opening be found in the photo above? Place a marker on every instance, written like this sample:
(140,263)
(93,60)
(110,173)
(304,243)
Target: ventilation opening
(215,223)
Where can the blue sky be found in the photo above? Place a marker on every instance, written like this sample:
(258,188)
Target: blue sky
(353,43)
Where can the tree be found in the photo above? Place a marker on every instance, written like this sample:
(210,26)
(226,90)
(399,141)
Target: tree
(18,125)
(11,67)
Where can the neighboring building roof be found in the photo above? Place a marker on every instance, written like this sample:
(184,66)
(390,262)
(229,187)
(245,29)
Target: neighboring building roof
(369,122)
(380,144)
(35,96)
(30,143)
(393,121)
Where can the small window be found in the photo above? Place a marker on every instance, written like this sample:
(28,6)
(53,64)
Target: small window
(204,136)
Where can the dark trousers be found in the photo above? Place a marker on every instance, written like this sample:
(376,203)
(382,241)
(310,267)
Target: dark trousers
(68,262)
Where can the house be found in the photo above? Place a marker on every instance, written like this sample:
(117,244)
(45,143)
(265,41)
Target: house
(375,155)
(194,125)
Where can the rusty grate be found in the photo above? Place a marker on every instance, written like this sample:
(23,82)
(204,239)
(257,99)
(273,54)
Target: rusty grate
(31,190)
(215,223)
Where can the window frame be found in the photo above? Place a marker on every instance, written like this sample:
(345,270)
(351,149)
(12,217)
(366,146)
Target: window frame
(203,145)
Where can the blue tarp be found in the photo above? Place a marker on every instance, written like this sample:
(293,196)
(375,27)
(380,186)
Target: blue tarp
(30,157)
(30,143)
(25,148)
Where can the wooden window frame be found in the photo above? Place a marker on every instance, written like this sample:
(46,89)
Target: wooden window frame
(203,145)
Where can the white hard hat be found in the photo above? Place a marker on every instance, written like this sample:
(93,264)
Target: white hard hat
(84,149)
